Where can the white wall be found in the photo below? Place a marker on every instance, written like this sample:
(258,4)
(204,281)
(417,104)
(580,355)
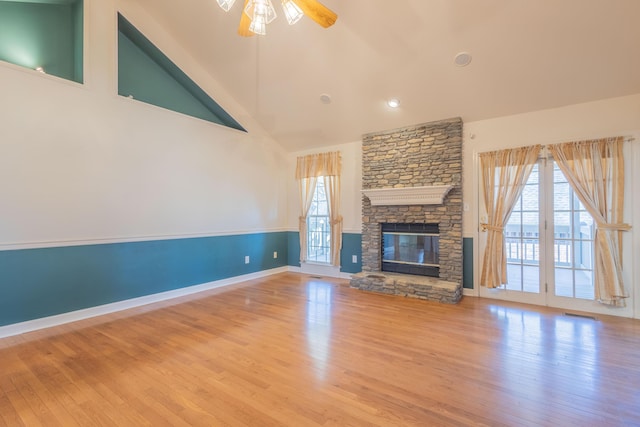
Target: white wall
(610,117)
(79,163)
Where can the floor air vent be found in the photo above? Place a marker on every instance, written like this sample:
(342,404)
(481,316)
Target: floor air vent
(580,315)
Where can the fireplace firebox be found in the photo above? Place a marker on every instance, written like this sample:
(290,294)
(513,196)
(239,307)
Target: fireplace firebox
(411,248)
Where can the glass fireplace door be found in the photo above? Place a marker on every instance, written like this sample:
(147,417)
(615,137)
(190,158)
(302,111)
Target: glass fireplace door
(411,249)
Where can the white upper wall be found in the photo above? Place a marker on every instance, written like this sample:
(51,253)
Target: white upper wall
(80,163)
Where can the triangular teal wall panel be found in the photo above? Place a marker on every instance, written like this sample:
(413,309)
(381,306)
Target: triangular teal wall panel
(148,75)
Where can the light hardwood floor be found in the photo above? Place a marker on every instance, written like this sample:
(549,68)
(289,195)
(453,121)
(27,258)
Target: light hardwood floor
(296,350)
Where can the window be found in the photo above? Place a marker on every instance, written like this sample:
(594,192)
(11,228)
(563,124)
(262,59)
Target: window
(319,226)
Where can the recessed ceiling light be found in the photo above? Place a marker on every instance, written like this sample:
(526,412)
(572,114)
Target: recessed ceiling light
(393,103)
(463,59)
(325,98)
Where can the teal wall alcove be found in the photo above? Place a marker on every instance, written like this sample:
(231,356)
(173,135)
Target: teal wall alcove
(148,75)
(45,33)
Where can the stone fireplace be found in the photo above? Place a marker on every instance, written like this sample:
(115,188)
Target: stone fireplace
(412,181)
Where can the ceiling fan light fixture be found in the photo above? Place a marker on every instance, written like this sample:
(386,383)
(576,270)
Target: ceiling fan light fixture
(261,8)
(257,14)
(226,4)
(291,11)
(258,25)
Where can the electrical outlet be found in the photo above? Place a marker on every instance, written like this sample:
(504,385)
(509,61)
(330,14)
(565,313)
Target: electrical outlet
(275,254)
(246,259)
(354,259)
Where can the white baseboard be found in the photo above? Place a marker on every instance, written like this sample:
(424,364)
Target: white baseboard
(469,292)
(320,269)
(73,316)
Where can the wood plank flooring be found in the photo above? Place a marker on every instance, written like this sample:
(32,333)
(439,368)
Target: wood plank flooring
(294,350)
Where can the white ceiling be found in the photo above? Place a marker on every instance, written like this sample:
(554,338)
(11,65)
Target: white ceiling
(527,55)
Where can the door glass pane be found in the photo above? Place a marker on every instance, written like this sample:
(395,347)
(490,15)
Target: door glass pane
(562,224)
(514,277)
(584,284)
(522,239)
(530,197)
(531,282)
(573,234)
(561,193)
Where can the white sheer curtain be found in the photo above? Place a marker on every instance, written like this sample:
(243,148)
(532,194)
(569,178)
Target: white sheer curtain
(332,188)
(308,170)
(595,171)
(504,174)
(306,186)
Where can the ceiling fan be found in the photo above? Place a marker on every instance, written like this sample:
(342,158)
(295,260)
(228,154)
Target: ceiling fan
(256,14)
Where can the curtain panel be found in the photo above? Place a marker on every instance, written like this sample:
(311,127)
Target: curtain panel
(595,171)
(309,169)
(504,174)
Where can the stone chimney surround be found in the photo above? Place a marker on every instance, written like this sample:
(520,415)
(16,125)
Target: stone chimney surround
(413,175)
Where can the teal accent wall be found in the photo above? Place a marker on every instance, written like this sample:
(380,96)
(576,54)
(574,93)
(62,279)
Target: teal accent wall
(351,245)
(43,34)
(293,240)
(36,283)
(148,75)
(467,263)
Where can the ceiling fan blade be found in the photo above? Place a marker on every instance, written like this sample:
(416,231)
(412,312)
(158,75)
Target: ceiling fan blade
(245,22)
(317,11)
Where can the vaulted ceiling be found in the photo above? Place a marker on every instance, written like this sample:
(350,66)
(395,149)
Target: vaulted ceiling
(526,56)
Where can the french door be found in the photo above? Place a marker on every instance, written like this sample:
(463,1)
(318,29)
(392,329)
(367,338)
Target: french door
(549,245)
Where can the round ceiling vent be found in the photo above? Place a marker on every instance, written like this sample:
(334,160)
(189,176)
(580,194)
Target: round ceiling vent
(463,59)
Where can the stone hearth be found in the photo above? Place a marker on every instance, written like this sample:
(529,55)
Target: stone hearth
(426,155)
(407,285)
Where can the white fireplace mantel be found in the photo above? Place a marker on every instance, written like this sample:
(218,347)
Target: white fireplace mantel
(429,195)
